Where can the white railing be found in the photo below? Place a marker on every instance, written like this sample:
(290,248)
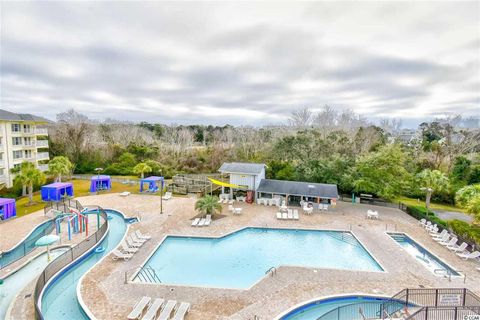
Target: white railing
(43,156)
(42,143)
(43,167)
(2,163)
(41,131)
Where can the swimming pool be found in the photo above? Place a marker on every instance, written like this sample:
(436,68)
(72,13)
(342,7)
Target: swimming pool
(59,300)
(314,310)
(422,255)
(16,281)
(242,258)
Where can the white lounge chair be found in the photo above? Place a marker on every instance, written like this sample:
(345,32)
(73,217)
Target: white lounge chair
(132,244)
(140,235)
(138,308)
(290,214)
(469,255)
(125,193)
(284,216)
(167,310)
(295,214)
(422,222)
(167,196)
(127,249)
(427,225)
(153,309)
(195,222)
(460,248)
(182,310)
(325,207)
(208,220)
(279,215)
(444,238)
(450,243)
(439,235)
(121,255)
(238,211)
(201,223)
(136,239)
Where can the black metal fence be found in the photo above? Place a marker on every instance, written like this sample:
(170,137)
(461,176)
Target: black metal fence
(113,179)
(68,257)
(370,201)
(444,313)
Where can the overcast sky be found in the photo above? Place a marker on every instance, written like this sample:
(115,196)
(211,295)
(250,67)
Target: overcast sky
(240,63)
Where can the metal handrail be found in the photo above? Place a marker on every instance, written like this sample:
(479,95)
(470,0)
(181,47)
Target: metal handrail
(272,270)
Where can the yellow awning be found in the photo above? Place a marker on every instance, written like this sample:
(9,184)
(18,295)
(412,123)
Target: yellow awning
(226,184)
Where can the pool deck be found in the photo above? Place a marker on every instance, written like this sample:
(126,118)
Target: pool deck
(107,297)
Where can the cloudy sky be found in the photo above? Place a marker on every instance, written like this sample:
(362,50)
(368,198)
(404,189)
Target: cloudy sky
(240,63)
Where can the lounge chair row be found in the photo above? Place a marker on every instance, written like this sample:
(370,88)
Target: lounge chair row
(130,246)
(158,309)
(449,241)
(288,215)
(202,222)
(269,201)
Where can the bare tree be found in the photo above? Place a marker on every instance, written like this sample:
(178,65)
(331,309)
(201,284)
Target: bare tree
(301,118)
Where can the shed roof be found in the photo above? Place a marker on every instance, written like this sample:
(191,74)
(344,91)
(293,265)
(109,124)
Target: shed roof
(100,177)
(242,167)
(11,116)
(58,185)
(298,188)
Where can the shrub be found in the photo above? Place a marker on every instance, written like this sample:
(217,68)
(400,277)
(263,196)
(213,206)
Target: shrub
(469,232)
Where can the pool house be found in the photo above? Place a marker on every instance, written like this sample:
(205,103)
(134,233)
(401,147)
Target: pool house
(296,191)
(243,176)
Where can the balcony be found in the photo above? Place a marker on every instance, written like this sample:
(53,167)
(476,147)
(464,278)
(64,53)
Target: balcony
(42,143)
(42,156)
(43,167)
(41,132)
(29,145)
(28,132)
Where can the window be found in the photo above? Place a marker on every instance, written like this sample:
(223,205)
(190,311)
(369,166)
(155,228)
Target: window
(27,141)
(15,127)
(27,128)
(17,141)
(28,154)
(17,154)
(16,166)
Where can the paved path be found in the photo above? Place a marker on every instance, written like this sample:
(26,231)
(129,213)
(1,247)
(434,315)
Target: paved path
(452,215)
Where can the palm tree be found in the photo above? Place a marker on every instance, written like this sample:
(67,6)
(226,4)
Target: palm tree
(208,205)
(28,176)
(59,166)
(141,168)
(431,181)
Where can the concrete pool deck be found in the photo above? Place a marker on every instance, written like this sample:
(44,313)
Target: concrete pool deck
(107,296)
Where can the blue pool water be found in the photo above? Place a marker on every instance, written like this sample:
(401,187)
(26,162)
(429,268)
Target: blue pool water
(242,258)
(314,310)
(422,255)
(59,301)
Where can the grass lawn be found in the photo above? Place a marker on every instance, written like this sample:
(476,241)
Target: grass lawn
(434,206)
(80,188)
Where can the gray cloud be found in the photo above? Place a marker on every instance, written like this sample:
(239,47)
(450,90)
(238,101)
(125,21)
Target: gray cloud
(239,63)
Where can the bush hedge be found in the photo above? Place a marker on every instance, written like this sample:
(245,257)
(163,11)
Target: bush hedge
(465,230)
(420,212)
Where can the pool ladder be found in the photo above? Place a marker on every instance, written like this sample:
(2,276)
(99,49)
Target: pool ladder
(148,274)
(272,271)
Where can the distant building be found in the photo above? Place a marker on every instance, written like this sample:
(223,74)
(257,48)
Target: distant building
(23,137)
(244,174)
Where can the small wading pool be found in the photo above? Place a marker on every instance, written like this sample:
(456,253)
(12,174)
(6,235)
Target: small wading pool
(422,255)
(242,258)
(349,305)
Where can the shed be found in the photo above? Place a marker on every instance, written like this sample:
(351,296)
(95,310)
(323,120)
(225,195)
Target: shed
(56,191)
(7,208)
(100,182)
(152,183)
(244,174)
(298,191)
